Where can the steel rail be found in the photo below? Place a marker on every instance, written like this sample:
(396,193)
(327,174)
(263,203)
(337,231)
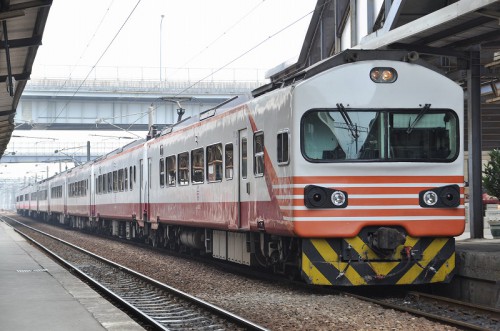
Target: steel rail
(417,312)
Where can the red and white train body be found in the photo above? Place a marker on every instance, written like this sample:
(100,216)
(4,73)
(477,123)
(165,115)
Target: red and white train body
(350,176)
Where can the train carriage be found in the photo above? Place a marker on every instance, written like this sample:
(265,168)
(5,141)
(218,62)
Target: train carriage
(381,172)
(117,194)
(23,201)
(79,192)
(42,198)
(57,198)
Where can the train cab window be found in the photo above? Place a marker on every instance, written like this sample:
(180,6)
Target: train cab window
(283,149)
(228,160)
(171,172)
(258,150)
(390,135)
(197,166)
(244,157)
(162,172)
(214,163)
(183,168)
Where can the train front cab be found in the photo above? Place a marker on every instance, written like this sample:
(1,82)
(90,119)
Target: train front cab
(386,197)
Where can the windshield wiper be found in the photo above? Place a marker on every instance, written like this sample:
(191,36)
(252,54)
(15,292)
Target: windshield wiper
(419,116)
(352,128)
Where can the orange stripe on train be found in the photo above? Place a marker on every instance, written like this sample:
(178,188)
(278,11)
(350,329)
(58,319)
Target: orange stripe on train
(379,212)
(377,179)
(375,190)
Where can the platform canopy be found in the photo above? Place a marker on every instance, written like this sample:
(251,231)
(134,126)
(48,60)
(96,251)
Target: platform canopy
(441,31)
(21,24)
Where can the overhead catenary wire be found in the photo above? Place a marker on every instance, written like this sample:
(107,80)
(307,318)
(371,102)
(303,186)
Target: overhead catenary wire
(96,63)
(222,34)
(248,51)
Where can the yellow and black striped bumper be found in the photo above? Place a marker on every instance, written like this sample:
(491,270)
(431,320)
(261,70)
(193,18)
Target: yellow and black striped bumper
(351,262)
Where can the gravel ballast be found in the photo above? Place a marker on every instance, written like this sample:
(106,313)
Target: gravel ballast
(270,304)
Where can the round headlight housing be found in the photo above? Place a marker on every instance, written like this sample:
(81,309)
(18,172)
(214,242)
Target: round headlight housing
(430,198)
(338,198)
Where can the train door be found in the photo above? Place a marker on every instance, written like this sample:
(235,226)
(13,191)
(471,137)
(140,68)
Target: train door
(148,187)
(65,197)
(244,180)
(141,188)
(90,191)
(37,200)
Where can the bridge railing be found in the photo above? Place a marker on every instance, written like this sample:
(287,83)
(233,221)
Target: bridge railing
(144,76)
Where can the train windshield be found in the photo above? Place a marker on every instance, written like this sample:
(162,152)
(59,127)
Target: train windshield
(421,135)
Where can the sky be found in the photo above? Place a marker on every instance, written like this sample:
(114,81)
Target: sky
(194,34)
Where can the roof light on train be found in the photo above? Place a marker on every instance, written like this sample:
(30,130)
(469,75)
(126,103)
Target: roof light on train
(430,198)
(383,75)
(338,198)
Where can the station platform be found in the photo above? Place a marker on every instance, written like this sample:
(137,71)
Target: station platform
(36,293)
(478,270)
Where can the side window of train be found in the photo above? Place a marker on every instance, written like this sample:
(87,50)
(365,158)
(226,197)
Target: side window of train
(120,180)
(162,171)
(229,161)
(244,155)
(183,168)
(150,173)
(214,163)
(115,181)
(197,166)
(283,149)
(258,150)
(131,185)
(110,182)
(126,178)
(171,170)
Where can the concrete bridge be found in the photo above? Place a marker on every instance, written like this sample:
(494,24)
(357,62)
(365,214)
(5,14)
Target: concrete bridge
(101,106)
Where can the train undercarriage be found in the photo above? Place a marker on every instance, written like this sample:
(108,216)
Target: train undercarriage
(280,254)
(376,256)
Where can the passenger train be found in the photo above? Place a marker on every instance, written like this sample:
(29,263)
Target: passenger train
(348,173)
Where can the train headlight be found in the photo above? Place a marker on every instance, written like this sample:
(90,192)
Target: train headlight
(430,198)
(324,197)
(440,197)
(338,198)
(316,197)
(383,75)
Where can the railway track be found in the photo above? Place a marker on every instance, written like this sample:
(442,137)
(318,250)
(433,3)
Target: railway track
(449,312)
(157,305)
(456,313)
